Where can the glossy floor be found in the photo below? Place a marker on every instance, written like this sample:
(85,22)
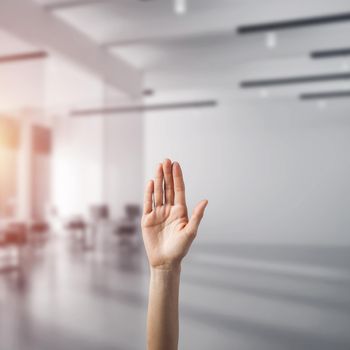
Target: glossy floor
(70,295)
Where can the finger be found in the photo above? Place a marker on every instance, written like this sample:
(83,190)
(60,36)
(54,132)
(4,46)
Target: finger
(147,203)
(192,226)
(158,186)
(168,182)
(179,185)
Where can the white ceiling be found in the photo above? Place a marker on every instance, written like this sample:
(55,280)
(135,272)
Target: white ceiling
(171,48)
(55,83)
(12,45)
(201,50)
(113,20)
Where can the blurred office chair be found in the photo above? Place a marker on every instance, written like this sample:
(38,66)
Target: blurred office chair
(99,212)
(76,226)
(38,232)
(128,226)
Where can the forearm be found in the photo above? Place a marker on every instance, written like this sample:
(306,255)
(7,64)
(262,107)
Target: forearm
(163,309)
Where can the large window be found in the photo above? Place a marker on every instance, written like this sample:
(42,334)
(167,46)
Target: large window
(9,141)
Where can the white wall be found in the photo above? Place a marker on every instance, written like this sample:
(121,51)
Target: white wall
(274,172)
(77,162)
(123,161)
(21,86)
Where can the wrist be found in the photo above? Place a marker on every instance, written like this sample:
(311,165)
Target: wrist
(165,280)
(165,271)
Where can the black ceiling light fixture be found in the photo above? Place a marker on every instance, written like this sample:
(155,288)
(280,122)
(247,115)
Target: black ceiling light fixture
(323,95)
(294,23)
(145,108)
(332,53)
(303,79)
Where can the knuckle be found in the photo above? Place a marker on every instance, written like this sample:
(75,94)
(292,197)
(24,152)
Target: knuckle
(192,233)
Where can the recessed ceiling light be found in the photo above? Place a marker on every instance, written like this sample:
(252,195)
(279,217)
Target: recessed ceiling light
(180,7)
(271,40)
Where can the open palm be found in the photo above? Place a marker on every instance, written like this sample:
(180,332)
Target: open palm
(167,231)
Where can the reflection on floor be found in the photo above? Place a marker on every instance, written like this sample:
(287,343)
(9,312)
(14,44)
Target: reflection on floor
(66,296)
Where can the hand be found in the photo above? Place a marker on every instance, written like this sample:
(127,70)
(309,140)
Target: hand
(167,232)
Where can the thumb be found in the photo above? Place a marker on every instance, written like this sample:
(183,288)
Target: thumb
(196,217)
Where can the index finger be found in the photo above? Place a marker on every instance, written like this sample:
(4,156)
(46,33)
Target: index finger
(148,198)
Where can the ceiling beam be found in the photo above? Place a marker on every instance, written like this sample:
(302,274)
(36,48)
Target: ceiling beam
(294,23)
(167,38)
(304,79)
(145,108)
(25,56)
(325,95)
(69,4)
(63,5)
(27,20)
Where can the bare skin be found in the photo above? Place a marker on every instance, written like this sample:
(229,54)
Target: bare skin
(167,233)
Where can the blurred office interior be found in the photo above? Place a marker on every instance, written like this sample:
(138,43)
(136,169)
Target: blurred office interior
(251,97)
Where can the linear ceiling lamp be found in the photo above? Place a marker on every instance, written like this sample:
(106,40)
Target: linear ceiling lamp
(325,95)
(342,52)
(145,108)
(294,23)
(305,79)
(26,56)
